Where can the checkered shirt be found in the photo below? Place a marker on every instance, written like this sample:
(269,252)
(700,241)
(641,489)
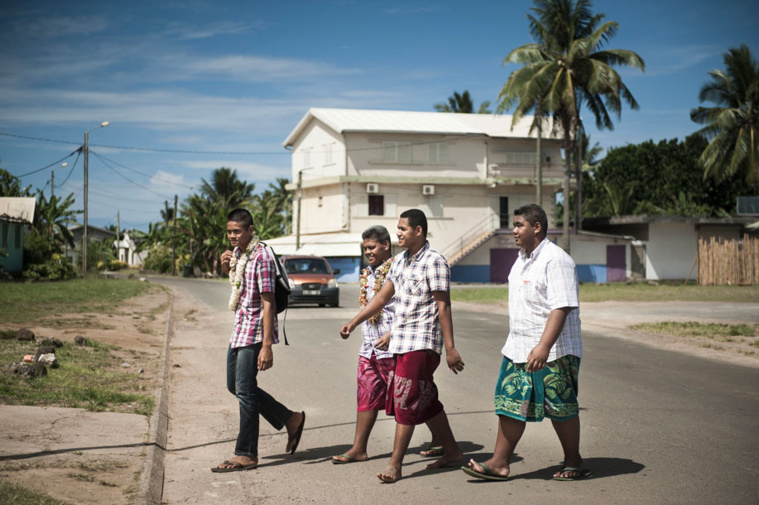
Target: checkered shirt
(259,277)
(371,332)
(545,281)
(417,324)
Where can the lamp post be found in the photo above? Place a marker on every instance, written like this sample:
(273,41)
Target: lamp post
(297,222)
(86,159)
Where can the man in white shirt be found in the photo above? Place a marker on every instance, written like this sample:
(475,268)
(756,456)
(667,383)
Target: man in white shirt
(541,362)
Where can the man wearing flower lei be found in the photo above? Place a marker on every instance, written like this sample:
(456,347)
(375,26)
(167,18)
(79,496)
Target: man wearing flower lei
(375,363)
(252,274)
(419,279)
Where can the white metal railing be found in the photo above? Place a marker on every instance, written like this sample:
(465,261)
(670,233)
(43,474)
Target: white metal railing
(487,226)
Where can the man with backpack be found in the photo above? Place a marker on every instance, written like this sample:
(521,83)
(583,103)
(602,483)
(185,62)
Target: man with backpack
(252,272)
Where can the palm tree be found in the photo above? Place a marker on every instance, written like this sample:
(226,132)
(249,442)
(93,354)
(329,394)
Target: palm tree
(565,68)
(462,103)
(732,126)
(226,189)
(53,217)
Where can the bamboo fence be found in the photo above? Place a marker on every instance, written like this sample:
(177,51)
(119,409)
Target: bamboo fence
(733,262)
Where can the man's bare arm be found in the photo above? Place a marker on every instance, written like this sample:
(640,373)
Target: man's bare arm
(443,301)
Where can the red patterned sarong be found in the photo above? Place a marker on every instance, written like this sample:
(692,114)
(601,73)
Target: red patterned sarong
(412,394)
(373,377)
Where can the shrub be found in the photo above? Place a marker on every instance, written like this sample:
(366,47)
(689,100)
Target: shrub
(115,265)
(55,268)
(158,259)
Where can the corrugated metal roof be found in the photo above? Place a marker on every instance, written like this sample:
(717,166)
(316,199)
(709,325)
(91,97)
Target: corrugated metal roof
(394,121)
(17,209)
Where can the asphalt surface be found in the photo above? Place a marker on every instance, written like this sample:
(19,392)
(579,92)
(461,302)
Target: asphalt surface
(657,426)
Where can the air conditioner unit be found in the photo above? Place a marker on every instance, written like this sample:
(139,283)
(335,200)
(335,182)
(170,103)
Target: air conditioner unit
(428,189)
(372,188)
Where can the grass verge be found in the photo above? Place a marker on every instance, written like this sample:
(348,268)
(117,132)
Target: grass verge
(714,331)
(88,377)
(13,494)
(638,292)
(24,302)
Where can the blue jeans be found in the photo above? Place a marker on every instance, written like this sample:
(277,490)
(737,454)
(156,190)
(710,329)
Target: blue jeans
(242,368)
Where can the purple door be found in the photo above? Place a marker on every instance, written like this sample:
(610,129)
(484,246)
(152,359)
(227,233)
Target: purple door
(615,263)
(501,261)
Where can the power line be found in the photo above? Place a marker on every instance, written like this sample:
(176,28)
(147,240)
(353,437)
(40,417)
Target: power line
(127,178)
(48,166)
(72,169)
(138,172)
(37,138)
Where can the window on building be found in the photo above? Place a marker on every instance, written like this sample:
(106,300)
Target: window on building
(396,152)
(521,158)
(328,153)
(321,201)
(438,152)
(18,236)
(4,242)
(432,206)
(376,205)
(307,158)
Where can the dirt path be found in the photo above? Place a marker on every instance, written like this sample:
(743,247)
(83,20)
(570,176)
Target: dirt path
(88,457)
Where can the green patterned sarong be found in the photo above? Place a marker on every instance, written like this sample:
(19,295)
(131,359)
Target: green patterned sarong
(531,396)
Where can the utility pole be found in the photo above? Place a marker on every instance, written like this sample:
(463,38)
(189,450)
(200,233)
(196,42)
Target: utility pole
(118,236)
(297,222)
(52,184)
(173,238)
(86,150)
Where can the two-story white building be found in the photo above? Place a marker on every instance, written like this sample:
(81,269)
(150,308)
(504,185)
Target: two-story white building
(467,172)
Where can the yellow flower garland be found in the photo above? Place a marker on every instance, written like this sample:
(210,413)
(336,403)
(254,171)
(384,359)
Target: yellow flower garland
(379,279)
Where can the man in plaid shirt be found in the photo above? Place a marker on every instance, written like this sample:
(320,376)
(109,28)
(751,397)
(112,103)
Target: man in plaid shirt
(419,278)
(254,332)
(541,357)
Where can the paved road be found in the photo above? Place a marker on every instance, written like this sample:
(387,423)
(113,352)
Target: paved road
(658,426)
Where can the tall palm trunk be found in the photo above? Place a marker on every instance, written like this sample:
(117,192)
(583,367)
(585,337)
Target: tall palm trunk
(567,173)
(578,182)
(539,194)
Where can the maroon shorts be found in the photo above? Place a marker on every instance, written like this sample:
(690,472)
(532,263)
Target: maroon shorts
(412,394)
(373,376)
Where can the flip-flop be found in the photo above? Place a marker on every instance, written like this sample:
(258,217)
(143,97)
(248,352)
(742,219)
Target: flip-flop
(235,467)
(432,452)
(350,459)
(486,475)
(582,474)
(296,437)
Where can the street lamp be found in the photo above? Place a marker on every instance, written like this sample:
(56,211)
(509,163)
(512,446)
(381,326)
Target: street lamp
(86,158)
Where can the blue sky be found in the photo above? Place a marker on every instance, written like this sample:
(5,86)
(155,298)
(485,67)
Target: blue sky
(197,85)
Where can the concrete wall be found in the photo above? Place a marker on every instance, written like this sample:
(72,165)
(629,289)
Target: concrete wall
(670,250)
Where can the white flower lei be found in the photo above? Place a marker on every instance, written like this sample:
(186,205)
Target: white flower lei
(237,271)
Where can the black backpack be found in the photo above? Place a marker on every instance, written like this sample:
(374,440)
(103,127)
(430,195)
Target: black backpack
(282,286)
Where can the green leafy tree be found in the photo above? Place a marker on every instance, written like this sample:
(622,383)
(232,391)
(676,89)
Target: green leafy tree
(53,217)
(10,185)
(462,103)
(226,189)
(732,125)
(565,68)
(658,178)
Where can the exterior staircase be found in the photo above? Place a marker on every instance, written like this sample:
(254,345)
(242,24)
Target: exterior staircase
(467,243)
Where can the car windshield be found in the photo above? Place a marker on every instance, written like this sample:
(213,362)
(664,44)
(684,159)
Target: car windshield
(306,266)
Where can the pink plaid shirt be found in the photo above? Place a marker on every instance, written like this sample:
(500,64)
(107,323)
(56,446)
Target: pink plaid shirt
(260,277)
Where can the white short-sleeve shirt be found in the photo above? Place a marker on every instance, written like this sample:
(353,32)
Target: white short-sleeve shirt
(538,284)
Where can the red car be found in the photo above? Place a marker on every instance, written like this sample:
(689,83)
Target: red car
(312,280)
